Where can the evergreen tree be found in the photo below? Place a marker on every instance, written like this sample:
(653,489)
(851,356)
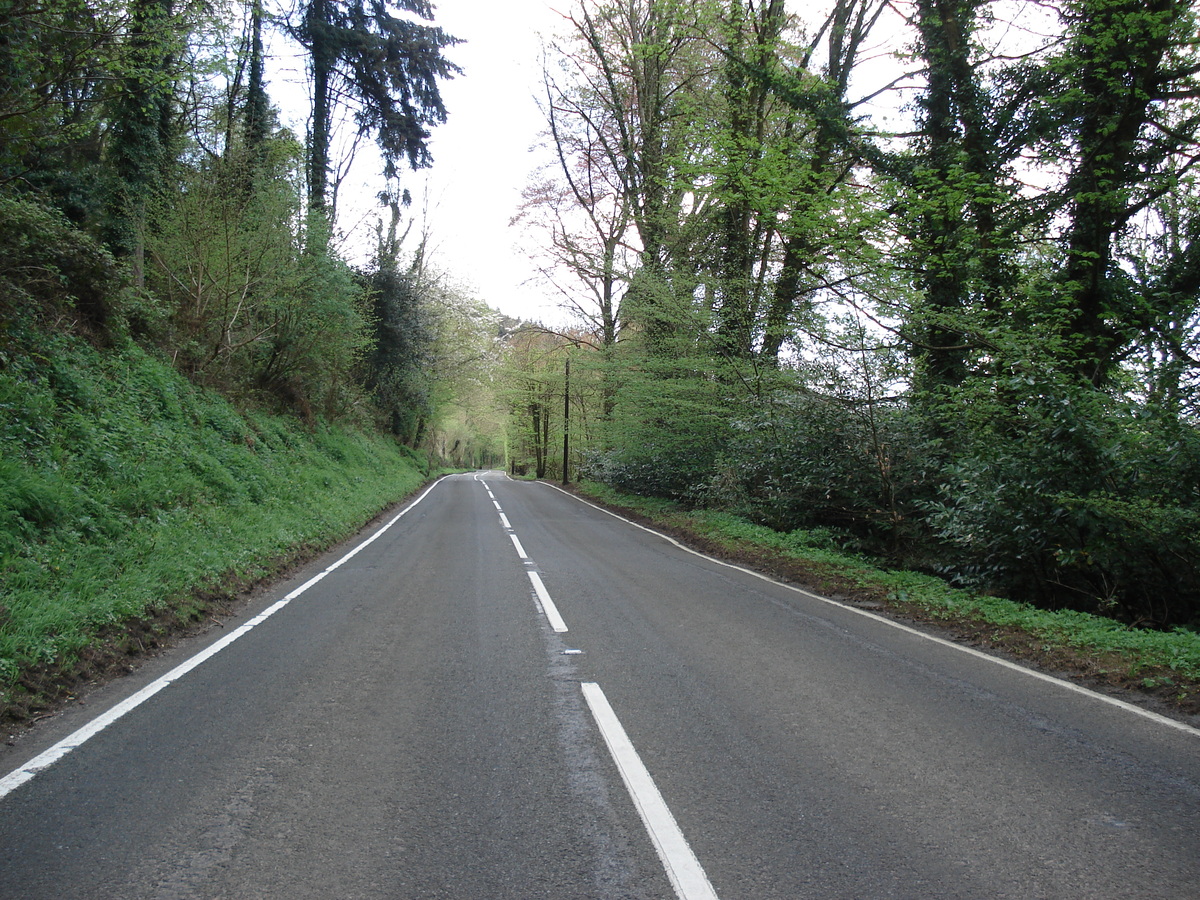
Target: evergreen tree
(387,67)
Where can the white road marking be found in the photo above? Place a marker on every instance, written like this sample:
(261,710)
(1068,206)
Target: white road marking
(549,610)
(1032,673)
(683,869)
(548,607)
(47,758)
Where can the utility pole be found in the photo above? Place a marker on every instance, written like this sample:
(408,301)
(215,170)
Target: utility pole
(566,418)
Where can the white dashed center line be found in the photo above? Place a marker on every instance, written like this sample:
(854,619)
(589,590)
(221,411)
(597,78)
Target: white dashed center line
(686,874)
(683,869)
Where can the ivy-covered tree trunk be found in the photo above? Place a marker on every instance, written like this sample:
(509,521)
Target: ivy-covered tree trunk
(142,114)
(1116,78)
(940,238)
(746,214)
(318,30)
(258,107)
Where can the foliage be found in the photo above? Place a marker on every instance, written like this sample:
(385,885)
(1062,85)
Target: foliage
(467,424)
(398,364)
(250,310)
(57,58)
(142,144)
(49,269)
(146,124)
(386,65)
(968,342)
(124,489)
(153,222)
(1066,495)
(535,360)
(668,429)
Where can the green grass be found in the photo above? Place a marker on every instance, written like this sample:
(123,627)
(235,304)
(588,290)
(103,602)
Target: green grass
(126,492)
(1167,661)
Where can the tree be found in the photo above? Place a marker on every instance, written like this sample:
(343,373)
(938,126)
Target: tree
(637,68)
(1122,80)
(385,67)
(56,59)
(142,146)
(743,220)
(534,359)
(582,213)
(397,369)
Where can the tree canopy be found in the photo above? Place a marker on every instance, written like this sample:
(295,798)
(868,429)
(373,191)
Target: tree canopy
(386,67)
(149,192)
(947,306)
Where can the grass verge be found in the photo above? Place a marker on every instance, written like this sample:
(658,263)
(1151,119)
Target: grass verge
(133,503)
(1159,667)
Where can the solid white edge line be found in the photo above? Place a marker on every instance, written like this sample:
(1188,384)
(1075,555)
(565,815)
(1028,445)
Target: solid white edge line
(517,544)
(971,651)
(47,758)
(683,869)
(548,607)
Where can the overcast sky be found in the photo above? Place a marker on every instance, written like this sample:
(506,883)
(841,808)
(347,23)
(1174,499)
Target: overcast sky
(482,155)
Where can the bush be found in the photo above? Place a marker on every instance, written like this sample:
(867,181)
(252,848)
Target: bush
(814,461)
(251,308)
(670,425)
(50,269)
(1077,500)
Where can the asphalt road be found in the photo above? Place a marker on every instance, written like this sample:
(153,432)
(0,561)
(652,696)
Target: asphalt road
(416,723)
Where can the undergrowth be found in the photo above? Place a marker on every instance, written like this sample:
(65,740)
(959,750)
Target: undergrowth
(126,492)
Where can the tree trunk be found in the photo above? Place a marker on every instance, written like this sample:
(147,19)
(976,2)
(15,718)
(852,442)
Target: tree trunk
(322,60)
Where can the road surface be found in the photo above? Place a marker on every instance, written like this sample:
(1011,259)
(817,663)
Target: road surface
(507,693)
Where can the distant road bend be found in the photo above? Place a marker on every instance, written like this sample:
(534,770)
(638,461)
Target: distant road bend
(505,692)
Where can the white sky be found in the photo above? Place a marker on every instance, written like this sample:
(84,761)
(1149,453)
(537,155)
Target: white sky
(482,156)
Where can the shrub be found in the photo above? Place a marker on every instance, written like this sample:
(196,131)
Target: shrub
(1079,500)
(50,269)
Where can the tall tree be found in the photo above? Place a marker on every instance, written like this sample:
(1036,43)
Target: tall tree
(949,183)
(1127,68)
(258,108)
(56,59)
(743,220)
(585,211)
(386,67)
(787,171)
(142,144)
(641,64)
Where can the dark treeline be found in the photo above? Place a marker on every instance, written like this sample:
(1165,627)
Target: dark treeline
(149,192)
(921,277)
